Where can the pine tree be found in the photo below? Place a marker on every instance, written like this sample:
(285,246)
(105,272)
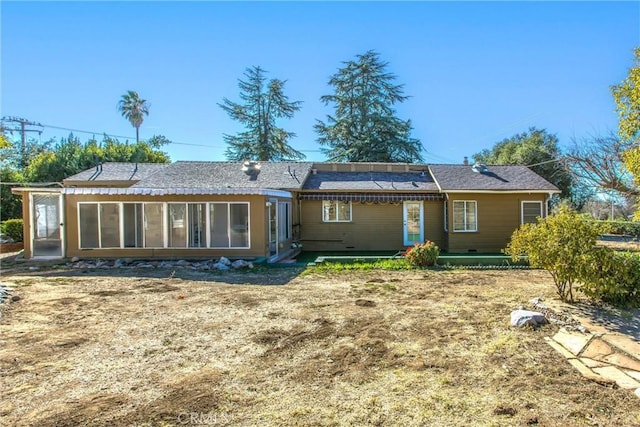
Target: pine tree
(364,127)
(262,103)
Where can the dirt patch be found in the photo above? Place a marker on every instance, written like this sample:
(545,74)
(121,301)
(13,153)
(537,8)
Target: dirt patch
(435,348)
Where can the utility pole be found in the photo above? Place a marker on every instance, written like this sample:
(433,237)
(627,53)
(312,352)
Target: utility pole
(23,133)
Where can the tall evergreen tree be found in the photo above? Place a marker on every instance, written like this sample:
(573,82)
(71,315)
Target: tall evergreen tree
(364,127)
(134,108)
(262,103)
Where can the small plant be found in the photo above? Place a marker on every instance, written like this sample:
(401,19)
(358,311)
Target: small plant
(423,254)
(12,228)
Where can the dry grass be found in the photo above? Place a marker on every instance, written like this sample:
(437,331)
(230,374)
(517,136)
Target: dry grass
(350,348)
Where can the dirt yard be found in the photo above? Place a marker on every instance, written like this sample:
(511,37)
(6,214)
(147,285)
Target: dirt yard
(119,347)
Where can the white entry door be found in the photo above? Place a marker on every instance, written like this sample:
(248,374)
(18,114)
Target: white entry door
(413,223)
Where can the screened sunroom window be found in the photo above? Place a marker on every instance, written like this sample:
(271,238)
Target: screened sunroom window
(177,225)
(229,225)
(88,219)
(153,225)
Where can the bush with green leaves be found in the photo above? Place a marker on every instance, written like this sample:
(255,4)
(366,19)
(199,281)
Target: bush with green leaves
(631,228)
(12,228)
(560,244)
(423,254)
(612,277)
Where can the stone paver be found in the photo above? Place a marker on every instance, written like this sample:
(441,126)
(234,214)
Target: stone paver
(572,342)
(632,348)
(592,363)
(623,360)
(560,349)
(622,379)
(597,349)
(606,358)
(633,374)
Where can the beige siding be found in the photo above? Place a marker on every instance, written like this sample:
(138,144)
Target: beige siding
(26,225)
(373,227)
(499,215)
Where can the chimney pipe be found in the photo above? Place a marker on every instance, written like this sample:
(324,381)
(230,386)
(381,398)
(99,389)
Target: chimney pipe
(466,161)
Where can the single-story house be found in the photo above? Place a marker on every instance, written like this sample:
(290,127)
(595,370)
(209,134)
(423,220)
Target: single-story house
(267,209)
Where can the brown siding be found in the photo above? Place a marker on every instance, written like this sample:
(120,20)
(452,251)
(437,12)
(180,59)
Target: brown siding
(434,222)
(498,217)
(257,224)
(373,227)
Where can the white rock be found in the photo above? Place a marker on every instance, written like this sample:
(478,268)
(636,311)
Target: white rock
(225,261)
(239,264)
(520,318)
(75,259)
(536,300)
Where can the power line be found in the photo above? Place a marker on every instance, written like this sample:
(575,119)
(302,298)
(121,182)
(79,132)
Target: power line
(23,133)
(122,136)
(130,137)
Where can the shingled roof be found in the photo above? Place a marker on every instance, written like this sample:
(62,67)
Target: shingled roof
(370,181)
(117,171)
(495,178)
(224,175)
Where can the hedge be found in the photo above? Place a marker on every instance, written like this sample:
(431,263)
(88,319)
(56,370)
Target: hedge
(631,228)
(12,228)
(612,276)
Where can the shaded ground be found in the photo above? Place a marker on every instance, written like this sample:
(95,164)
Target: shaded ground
(350,348)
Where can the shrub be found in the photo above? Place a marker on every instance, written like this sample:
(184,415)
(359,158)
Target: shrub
(12,228)
(612,277)
(631,228)
(423,254)
(560,244)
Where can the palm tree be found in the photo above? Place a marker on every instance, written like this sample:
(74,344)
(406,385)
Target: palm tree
(134,109)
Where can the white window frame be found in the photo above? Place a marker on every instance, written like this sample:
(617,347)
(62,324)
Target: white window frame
(446,217)
(324,219)
(538,202)
(466,229)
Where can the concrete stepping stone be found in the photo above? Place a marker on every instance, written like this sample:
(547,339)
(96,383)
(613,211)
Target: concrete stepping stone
(615,374)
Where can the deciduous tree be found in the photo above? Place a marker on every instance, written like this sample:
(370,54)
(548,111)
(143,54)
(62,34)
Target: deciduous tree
(627,98)
(536,148)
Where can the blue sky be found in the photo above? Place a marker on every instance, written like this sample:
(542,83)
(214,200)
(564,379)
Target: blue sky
(476,72)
